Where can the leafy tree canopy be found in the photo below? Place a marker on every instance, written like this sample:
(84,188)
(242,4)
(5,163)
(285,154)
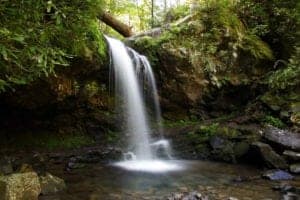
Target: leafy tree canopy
(37,35)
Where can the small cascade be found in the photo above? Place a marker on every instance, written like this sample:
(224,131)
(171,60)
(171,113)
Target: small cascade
(129,156)
(135,83)
(162,149)
(147,81)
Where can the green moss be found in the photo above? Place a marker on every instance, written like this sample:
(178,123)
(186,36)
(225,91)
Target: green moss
(209,130)
(197,138)
(179,123)
(274,121)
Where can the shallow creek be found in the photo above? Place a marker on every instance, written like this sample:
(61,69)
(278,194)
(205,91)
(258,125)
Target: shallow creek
(107,182)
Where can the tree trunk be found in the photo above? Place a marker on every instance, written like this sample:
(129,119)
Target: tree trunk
(117,25)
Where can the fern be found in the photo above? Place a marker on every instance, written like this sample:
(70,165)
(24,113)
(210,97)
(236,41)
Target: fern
(289,76)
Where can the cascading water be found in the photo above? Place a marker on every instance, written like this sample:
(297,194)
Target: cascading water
(146,75)
(130,75)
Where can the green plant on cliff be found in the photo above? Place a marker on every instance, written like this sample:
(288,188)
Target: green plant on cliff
(222,21)
(277,22)
(36,36)
(274,121)
(288,76)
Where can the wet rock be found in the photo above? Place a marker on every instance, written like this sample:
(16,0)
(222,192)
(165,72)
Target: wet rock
(292,155)
(290,196)
(88,159)
(240,179)
(51,184)
(217,142)
(284,138)
(6,166)
(275,175)
(223,149)
(283,188)
(93,156)
(57,158)
(38,163)
(270,157)
(74,165)
(20,186)
(187,196)
(295,168)
(241,148)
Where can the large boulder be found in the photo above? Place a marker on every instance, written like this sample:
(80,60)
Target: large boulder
(270,157)
(284,138)
(20,186)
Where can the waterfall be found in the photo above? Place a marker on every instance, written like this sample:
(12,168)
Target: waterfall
(134,109)
(134,82)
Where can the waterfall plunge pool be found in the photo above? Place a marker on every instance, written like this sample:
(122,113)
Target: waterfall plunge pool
(109,182)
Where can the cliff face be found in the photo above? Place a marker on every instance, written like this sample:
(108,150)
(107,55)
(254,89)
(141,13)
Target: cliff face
(74,102)
(208,67)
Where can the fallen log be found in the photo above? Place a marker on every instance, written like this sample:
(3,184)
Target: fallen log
(156,32)
(116,24)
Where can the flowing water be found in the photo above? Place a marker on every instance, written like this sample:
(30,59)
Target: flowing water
(135,83)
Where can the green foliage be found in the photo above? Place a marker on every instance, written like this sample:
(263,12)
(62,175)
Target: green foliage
(222,19)
(179,123)
(274,121)
(175,13)
(209,130)
(277,21)
(205,132)
(287,77)
(50,141)
(74,141)
(37,35)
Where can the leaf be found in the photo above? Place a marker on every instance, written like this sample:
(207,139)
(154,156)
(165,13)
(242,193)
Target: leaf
(4,54)
(49,6)
(19,38)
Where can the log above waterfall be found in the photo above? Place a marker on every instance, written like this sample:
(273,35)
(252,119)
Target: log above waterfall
(116,24)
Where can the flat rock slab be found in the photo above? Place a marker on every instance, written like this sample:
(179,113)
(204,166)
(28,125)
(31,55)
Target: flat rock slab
(292,155)
(284,138)
(270,157)
(276,175)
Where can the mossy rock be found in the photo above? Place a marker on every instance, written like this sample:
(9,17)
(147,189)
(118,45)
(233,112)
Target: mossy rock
(241,148)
